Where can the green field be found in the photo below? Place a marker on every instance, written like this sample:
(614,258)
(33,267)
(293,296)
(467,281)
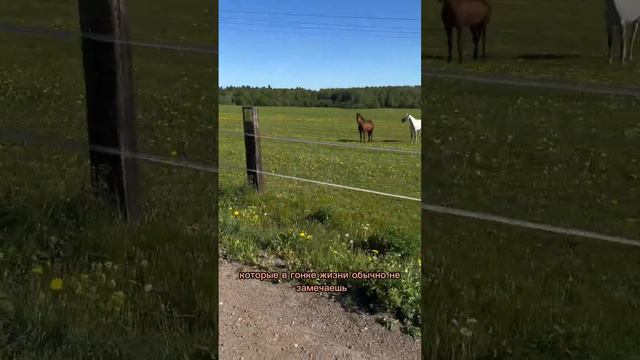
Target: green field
(145,293)
(554,157)
(350,230)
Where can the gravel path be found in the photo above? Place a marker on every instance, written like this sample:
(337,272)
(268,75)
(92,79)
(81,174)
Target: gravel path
(262,320)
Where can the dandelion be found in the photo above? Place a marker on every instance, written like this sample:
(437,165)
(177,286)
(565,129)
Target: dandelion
(56,284)
(236,213)
(302,234)
(37,270)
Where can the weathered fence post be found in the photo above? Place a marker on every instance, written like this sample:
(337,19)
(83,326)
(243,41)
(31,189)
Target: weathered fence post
(252,147)
(106,58)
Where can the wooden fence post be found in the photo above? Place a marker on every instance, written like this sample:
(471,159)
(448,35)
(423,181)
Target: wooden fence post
(252,147)
(106,58)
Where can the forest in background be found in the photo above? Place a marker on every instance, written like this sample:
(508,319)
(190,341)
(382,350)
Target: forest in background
(358,98)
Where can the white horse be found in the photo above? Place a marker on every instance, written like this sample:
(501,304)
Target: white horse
(619,14)
(416,127)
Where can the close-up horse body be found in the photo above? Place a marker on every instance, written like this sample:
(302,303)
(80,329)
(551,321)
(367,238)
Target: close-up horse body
(364,127)
(620,14)
(415,126)
(462,14)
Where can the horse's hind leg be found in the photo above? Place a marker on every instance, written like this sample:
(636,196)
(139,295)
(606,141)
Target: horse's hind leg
(475,33)
(610,43)
(634,32)
(449,31)
(483,34)
(623,42)
(459,33)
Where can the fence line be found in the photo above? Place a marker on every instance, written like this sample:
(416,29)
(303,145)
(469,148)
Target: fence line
(84,148)
(529,225)
(437,74)
(63,34)
(77,145)
(330,24)
(326,143)
(317,15)
(538,84)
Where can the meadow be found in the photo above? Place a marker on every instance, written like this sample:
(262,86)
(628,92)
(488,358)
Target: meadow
(555,157)
(76,282)
(309,227)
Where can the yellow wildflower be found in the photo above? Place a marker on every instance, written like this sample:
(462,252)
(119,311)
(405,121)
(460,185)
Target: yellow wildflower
(302,234)
(56,284)
(236,213)
(309,237)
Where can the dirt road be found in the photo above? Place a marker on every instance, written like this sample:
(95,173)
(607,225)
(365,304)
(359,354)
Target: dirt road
(262,320)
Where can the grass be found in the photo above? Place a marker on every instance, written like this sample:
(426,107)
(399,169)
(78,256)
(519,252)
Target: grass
(145,292)
(565,159)
(350,231)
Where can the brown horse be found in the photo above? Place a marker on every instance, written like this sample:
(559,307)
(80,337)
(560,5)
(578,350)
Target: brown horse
(364,126)
(461,14)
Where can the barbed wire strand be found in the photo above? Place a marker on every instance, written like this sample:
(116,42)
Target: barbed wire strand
(77,145)
(528,224)
(433,73)
(317,15)
(325,143)
(63,34)
(538,84)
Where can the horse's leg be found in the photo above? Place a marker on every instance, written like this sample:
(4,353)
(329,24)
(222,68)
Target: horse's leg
(449,31)
(634,32)
(484,41)
(476,40)
(610,43)
(459,33)
(623,42)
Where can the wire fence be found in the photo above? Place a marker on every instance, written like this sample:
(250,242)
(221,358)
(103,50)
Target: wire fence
(79,146)
(75,145)
(429,73)
(324,143)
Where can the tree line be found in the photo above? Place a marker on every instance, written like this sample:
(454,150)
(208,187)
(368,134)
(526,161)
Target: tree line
(359,98)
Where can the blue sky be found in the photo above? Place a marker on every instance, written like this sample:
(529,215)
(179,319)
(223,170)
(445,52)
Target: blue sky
(269,42)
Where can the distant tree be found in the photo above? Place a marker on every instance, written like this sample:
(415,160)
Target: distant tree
(365,97)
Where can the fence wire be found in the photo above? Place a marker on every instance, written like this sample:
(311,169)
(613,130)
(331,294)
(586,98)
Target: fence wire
(324,143)
(76,145)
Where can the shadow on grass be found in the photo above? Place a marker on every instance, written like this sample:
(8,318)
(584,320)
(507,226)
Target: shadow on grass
(374,141)
(548,56)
